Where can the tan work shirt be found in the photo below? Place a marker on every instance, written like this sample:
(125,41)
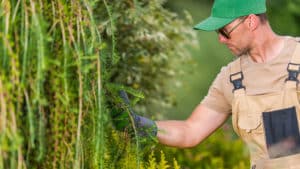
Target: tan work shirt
(259,78)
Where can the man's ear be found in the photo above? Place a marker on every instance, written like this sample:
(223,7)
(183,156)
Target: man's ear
(253,22)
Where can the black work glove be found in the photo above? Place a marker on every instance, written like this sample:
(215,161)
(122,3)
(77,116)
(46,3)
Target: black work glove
(123,118)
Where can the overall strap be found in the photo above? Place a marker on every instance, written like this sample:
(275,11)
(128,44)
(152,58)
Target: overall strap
(293,67)
(236,75)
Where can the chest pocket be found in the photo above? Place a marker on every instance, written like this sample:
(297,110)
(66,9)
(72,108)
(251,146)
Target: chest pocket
(248,119)
(282,132)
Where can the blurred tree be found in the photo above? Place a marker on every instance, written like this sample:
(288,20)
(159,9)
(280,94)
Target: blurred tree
(149,43)
(284,16)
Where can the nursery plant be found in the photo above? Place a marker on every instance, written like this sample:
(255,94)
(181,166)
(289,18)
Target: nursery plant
(62,64)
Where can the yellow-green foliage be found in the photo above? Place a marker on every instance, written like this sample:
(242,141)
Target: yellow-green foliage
(123,155)
(152,161)
(175,164)
(162,164)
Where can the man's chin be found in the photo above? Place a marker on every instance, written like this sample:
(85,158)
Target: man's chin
(238,53)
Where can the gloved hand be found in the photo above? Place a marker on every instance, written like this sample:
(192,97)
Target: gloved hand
(122,120)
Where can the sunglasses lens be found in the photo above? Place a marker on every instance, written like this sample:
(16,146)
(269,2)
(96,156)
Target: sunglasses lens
(223,33)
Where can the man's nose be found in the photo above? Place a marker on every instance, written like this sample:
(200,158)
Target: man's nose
(221,38)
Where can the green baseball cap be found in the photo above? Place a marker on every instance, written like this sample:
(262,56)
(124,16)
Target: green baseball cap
(225,11)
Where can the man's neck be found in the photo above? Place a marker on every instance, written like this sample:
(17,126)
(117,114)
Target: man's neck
(266,46)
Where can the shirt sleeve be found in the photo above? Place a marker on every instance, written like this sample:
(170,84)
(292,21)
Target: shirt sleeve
(216,98)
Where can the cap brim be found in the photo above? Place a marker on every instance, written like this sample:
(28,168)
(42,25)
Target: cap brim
(213,23)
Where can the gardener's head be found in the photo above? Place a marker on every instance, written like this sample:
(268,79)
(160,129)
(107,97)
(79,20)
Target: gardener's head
(226,11)
(239,23)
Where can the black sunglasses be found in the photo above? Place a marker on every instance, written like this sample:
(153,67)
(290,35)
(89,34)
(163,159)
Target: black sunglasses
(225,33)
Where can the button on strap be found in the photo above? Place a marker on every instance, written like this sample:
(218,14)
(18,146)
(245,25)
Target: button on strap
(293,70)
(236,79)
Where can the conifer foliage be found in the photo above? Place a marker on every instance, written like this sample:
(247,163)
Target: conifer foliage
(62,63)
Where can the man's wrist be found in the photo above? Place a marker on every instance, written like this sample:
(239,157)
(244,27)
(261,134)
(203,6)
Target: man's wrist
(145,126)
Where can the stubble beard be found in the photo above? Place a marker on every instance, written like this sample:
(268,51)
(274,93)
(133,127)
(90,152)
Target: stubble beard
(241,52)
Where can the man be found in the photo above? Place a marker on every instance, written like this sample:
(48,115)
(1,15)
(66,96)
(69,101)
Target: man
(259,89)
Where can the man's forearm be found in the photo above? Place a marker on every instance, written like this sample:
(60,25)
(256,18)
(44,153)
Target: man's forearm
(190,132)
(174,133)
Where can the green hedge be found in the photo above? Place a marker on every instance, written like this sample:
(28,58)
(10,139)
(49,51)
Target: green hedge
(61,66)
